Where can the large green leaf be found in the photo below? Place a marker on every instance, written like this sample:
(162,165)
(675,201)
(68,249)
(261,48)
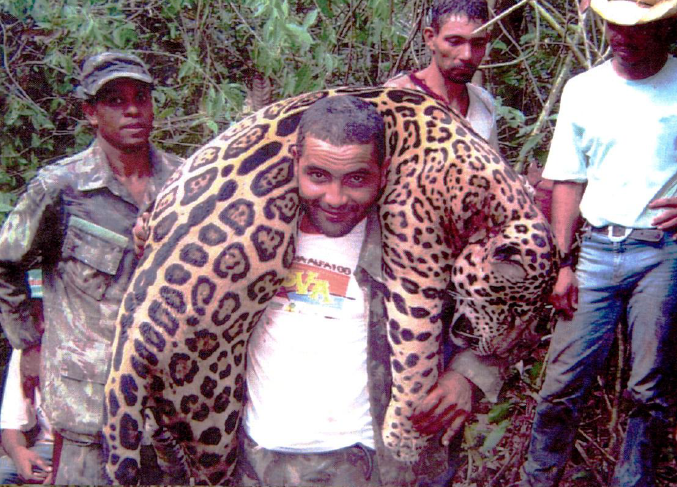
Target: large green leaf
(495,436)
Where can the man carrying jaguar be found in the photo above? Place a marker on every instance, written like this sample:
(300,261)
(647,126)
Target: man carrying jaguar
(323,338)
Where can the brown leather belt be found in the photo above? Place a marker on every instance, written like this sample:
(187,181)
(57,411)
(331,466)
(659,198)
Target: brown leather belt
(618,231)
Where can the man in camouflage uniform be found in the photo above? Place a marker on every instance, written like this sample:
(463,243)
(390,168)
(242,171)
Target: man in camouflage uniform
(76,217)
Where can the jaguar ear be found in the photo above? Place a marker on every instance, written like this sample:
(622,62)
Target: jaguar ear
(506,260)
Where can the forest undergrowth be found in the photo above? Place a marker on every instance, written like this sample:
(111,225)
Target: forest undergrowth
(496,440)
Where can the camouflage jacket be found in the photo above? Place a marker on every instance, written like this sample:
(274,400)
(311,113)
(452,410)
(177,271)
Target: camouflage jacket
(76,220)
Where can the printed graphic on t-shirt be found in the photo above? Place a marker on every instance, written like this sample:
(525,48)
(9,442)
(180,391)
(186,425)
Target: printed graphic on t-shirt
(314,287)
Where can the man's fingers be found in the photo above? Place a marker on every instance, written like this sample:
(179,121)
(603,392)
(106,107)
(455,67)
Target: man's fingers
(426,423)
(32,477)
(663,203)
(39,476)
(450,422)
(667,223)
(446,405)
(427,406)
(557,301)
(562,303)
(35,470)
(442,420)
(566,313)
(667,219)
(24,472)
(570,304)
(573,299)
(566,304)
(454,429)
(40,462)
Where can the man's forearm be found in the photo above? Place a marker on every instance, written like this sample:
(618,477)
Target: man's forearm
(24,237)
(484,373)
(15,308)
(13,440)
(566,199)
(17,321)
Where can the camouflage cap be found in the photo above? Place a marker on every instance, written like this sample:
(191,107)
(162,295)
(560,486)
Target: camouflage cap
(107,66)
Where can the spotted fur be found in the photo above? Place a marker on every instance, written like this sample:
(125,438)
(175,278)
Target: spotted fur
(223,237)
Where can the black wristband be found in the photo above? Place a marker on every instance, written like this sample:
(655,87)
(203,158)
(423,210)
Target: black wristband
(566,260)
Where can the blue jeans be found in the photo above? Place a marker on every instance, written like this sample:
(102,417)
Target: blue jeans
(633,279)
(8,472)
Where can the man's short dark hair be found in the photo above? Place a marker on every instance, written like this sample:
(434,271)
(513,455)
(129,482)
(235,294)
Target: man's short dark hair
(475,10)
(343,120)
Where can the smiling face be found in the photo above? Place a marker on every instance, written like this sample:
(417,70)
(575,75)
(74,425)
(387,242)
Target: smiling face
(456,51)
(122,113)
(337,185)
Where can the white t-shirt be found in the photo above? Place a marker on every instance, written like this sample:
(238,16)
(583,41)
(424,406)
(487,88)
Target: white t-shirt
(621,137)
(482,114)
(17,411)
(307,358)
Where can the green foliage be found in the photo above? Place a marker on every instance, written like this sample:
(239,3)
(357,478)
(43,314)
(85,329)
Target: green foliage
(204,55)
(494,437)
(499,412)
(534,50)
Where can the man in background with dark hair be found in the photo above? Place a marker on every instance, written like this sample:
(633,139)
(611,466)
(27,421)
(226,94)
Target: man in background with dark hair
(456,51)
(76,218)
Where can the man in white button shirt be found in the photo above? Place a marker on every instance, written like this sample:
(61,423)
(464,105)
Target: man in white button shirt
(614,161)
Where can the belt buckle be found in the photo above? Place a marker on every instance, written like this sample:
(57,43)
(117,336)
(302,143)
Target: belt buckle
(618,233)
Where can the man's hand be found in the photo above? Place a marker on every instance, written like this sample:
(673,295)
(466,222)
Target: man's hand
(140,233)
(564,295)
(667,220)
(29,465)
(31,468)
(29,370)
(446,407)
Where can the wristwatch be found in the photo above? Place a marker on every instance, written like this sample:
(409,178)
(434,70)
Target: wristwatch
(566,260)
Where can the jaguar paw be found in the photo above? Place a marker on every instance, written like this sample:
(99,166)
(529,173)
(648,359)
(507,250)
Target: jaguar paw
(403,442)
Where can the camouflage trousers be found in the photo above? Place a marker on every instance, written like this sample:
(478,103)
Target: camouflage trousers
(80,463)
(354,465)
(83,463)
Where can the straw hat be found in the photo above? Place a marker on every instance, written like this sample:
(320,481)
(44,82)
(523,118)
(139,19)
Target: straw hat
(634,12)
